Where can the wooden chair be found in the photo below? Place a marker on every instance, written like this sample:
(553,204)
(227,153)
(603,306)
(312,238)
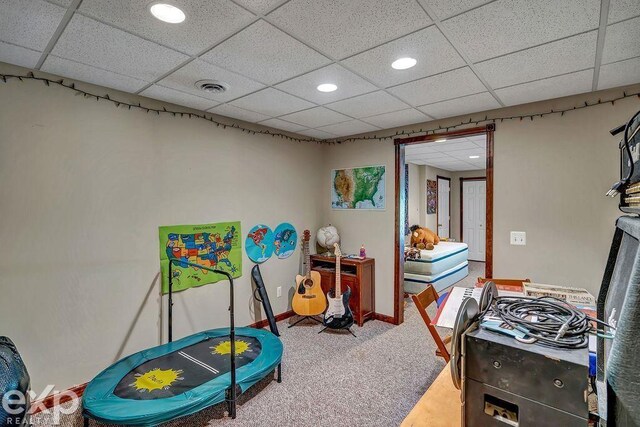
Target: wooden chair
(423,300)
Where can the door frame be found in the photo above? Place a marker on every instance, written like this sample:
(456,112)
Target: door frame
(444,178)
(462,180)
(400,196)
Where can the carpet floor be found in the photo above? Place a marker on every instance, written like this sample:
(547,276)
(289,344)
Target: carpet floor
(333,378)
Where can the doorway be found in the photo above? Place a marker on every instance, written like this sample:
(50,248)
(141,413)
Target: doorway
(443,213)
(473,216)
(430,142)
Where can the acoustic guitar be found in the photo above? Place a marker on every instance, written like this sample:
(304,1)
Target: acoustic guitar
(308,300)
(338,314)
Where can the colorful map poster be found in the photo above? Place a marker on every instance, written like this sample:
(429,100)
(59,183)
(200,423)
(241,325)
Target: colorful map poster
(211,245)
(358,188)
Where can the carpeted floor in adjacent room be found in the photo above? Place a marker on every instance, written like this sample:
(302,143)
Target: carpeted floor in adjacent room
(334,379)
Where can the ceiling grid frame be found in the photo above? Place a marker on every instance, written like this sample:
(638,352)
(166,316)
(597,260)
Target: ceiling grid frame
(432,19)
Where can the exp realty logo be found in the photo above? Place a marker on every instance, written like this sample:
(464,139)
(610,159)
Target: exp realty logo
(18,407)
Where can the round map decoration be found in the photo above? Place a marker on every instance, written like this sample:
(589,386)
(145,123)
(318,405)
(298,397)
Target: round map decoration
(286,239)
(259,243)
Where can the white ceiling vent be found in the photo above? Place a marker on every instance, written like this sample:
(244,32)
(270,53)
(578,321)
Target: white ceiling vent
(212,86)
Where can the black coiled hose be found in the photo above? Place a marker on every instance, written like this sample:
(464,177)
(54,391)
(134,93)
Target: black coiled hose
(548,320)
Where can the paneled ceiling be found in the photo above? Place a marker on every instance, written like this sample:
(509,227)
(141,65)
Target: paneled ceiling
(472,55)
(460,154)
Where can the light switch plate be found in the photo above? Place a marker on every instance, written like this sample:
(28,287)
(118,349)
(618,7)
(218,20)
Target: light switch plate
(279,291)
(518,238)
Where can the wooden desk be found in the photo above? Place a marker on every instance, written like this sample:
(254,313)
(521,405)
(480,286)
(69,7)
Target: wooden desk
(439,407)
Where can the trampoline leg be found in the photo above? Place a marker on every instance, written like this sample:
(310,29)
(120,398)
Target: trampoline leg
(231,402)
(279,374)
(85,421)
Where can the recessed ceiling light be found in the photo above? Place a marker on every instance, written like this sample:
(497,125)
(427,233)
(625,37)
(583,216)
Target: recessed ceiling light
(474,157)
(403,63)
(327,87)
(167,13)
(441,140)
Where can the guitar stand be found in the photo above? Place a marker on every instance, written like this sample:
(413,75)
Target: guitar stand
(303,318)
(348,329)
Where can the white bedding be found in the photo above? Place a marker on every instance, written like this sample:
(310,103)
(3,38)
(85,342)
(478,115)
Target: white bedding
(444,256)
(416,283)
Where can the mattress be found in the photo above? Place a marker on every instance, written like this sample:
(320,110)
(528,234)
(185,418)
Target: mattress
(443,257)
(416,283)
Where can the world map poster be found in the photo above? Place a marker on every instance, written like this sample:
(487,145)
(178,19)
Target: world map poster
(210,245)
(358,188)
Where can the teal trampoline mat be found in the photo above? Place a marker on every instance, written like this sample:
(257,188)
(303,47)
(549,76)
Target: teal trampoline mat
(179,378)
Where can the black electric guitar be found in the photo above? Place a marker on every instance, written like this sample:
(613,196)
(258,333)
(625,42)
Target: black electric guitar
(338,314)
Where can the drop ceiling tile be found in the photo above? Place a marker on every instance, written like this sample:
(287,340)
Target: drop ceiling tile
(317,134)
(260,6)
(352,127)
(343,28)
(397,118)
(505,26)
(306,85)
(29,23)
(65,3)
(431,156)
(552,59)
(623,9)
(619,74)
(464,154)
(429,47)
(622,41)
(467,104)
(478,139)
(176,97)
(229,110)
(265,53)
(452,147)
(186,77)
(272,102)
(94,43)
(368,105)
(86,73)
(283,124)
(478,165)
(207,21)
(18,55)
(451,84)
(447,8)
(316,117)
(553,87)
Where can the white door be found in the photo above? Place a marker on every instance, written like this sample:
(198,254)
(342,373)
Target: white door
(474,231)
(443,207)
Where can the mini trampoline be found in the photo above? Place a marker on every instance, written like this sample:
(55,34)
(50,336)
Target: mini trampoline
(186,376)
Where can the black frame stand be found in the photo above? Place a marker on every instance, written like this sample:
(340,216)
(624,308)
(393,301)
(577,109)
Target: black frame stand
(231,392)
(348,329)
(304,318)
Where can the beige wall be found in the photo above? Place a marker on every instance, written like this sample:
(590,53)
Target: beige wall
(430,220)
(418,176)
(84,188)
(414,196)
(550,178)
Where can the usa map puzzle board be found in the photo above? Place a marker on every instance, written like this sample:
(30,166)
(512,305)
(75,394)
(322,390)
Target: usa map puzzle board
(211,245)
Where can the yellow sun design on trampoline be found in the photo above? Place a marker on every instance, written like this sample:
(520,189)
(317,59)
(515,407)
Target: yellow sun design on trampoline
(225,347)
(156,379)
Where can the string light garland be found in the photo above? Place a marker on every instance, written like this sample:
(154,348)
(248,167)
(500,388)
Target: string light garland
(405,133)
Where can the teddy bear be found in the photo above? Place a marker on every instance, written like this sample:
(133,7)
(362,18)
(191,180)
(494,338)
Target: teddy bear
(423,238)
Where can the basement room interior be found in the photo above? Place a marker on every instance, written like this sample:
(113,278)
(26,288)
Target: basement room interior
(274,213)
